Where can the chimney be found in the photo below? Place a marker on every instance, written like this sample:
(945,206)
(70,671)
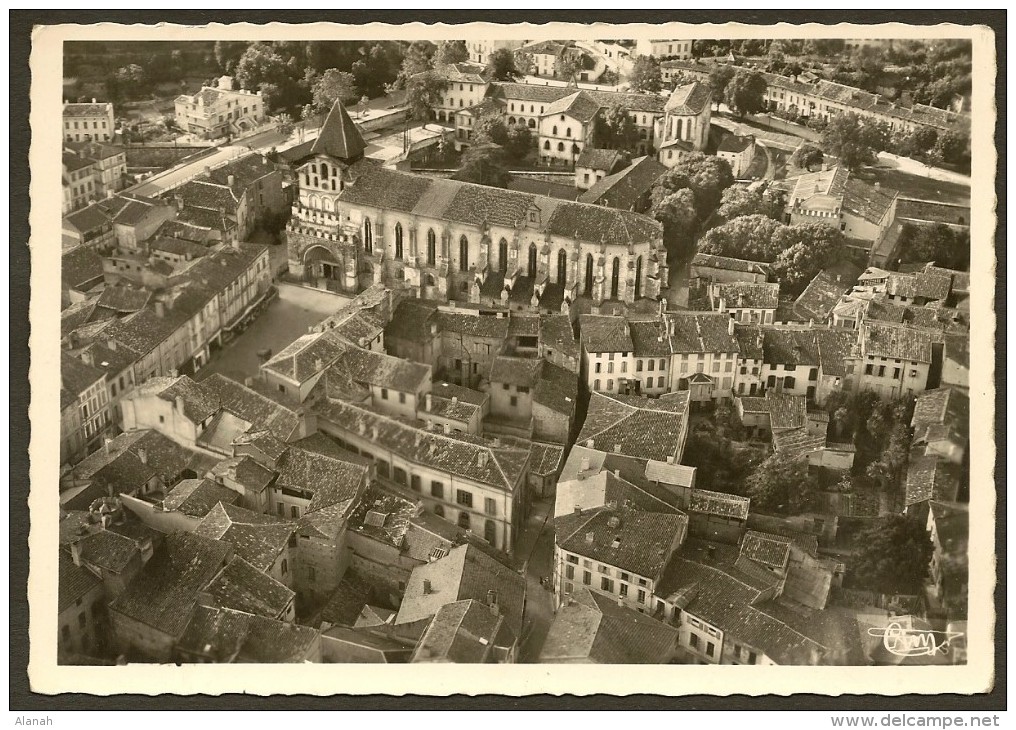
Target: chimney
(427,588)
(585,464)
(617,448)
(878,185)
(455,399)
(447,428)
(373,433)
(730,326)
(88,357)
(590,537)
(578,509)
(497,442)
(111,344)
(482,458)
(589,443)
(179,403)
(160,308)
(93,100)
(426,402)
(143,456)
(231,180)
(492,598)
(208,170)
(711,552)
(613,522)
(248,381)
(319,364)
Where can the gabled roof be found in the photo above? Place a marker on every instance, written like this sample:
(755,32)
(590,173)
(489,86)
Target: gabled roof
(600,333)
(590,627)
(580,106)
(795,442)
(638,427)
(689,99)
(735,143)
(73,582)
(242,587)
(255,537)
(786,410)
(598,158)
(463,632)
(747,294)
(730,264)
(197,497)
(81,266)
(339,136)
(768,549)
(895,342)
(624,189)
(700,332)
(824,182)
(226,636)
(941,407)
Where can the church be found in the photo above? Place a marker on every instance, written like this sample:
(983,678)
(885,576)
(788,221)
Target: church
(356,223)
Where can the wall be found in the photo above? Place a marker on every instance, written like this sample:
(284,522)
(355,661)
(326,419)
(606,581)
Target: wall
(166,522)
(325,560)
(549,425)
(132,635)
(83,639)
(382,564)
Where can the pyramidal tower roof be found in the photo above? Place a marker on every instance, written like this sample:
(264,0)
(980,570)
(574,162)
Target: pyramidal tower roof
(339,136)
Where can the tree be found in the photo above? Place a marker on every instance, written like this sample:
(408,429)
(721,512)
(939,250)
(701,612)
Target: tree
(646,76)
(451,52)
(227,53)
(737,201)
(502,65)
(520,142)
(719,77)
(746,237)
(746,92)
(418,59)
(953,147)
(781,484)
(129,80)
(855,142)
(285,125)
(568,67)
(334,85)
(491,129)
(806,249)
(484,164)
(680,220)
(893,555)
(807,156)
(524,63)
(423,93)
(939,243)
(260,64)
(615,129)
(377,67)
(707,176)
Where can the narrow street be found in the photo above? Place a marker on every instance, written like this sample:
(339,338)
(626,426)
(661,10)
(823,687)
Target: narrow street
(536,547)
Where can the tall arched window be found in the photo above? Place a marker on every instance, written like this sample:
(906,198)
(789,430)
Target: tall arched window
(638,277)
(562,267)
(554,131)
(560,146)
(368,236)
(546,145)
(502,256)
(615,278)
(431,248)
(680,129)
(398,240)
(532,124)
(589,275)
(532,261)
(463,254)
(324,170)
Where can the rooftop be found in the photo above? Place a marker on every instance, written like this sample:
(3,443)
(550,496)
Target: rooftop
(638,427)
(746,294)
(464,632)
(224,635)
(197,497)
(689,99)
(601,333)
(895,342)
(257,538)
(242,587)
(625,189)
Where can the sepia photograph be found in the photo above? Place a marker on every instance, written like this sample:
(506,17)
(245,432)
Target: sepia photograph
(472,345)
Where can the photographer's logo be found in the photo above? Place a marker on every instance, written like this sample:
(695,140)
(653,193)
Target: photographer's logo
(914,642)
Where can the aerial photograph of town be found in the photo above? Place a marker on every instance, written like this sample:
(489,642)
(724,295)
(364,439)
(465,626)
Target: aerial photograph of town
(494,351)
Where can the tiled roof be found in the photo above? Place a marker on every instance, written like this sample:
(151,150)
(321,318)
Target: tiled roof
(735,143)
(224,635)
(245,471)
(464,71)
(256,538)
(579,105)
(382,515)
(108,550)
(796,442)
(473,325)
(245,170)
(823,293)
(557,388)
(515,371)
(331,479)
(867,201)
(921,284)
(727,603)
(626,188)
(545,48)
(545,459)
(831,182)
(260,410)
(729,264)
(453,453)
(593,628)
(307,356)
(385,188)
(383,371)
(765,548)
(595,223)
(598,333)
(786,410)
(941,406)
(197,405)
(745,294)
(347,602)
(163,594)
(928,477)
(124,297)
(465,572)
(628,539)
(412,320)
(75,378)
(895,342)
(719,503)
(339,136)
(196,497)
(597,158)
(204,194)
(463,632)
(649,339)
(80,266)
(556,333)
(933,211)
(789,347)
(639,427)
(529,92)
(242,587)
(73,582)
(689,99)
(86,109)
(700,332)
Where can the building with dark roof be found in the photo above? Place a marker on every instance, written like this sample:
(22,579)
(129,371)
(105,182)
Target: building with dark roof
(637,427)
(467,632)
(446,239)
(684,127)
(227,636)
(892,360)
(591,628)
(626,189)
(84,408)
(711,267)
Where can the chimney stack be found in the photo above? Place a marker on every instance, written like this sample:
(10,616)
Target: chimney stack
(482,458)
(589,443)
(179,201)
(88,357)
(590,537)
(427,402)
(179,404)
(578,509)
(105,446)
(231,180)
(585,464)
(730,327)
(427,588)
(447,429)
(711,552)
(143,456)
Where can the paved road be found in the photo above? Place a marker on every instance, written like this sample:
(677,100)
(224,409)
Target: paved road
(289,316)
(536,546)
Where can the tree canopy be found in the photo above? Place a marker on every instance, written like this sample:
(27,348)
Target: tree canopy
(893,555)
(423,93)
(484,164)
(706,175)
(615,129)
(719,77)
(646,76)
(418,59)
(747,237)
(854,141)
(746,92)
(333,85)
(947,247)
(502,65)
(807,156)
(451,52)
(680,223)
(738,200)
(781,484)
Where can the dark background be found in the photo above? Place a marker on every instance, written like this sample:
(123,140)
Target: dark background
(22,698)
